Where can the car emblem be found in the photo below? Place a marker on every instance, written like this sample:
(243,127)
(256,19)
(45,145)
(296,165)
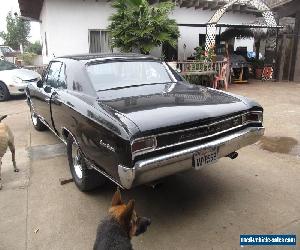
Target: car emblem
(106,145)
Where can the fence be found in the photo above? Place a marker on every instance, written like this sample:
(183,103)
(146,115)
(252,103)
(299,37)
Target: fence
(39,69)
(201,73)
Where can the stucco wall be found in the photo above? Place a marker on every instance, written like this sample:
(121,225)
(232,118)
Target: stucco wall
(67,22)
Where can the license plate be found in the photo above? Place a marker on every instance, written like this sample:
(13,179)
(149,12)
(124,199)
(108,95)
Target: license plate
(205,157)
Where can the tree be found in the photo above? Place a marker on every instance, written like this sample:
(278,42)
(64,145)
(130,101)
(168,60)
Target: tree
(137,25)
(35,48)
(17,31)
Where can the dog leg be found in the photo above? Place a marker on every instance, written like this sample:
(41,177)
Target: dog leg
(13,156)
(0,173)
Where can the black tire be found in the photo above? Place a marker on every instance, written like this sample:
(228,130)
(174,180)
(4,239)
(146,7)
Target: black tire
(85,179)
(36,122)
(4,93)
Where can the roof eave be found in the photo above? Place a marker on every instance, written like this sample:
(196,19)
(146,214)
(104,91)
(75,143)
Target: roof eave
(31,9)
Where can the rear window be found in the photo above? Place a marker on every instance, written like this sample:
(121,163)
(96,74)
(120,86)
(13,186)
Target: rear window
(118,74)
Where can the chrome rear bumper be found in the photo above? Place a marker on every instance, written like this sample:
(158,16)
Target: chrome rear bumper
(152,169)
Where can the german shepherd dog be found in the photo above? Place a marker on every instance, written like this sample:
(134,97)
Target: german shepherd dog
(116,231)
(6,140)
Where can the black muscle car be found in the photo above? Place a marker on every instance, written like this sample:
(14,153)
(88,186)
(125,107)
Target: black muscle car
(134,120)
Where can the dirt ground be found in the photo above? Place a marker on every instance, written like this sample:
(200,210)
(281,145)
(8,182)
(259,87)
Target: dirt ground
(257,193)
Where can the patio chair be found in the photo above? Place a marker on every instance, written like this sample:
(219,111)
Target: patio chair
(222,79)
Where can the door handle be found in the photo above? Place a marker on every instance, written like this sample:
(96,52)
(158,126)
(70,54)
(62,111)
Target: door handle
(55,98)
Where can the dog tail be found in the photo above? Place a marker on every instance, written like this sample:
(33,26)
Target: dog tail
(2,117)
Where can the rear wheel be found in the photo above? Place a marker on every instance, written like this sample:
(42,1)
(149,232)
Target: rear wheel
(85,179)
(4,93)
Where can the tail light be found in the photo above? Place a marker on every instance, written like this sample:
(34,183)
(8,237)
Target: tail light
(143,145)
(254,117)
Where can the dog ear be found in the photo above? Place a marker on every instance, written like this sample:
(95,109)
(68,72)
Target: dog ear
(127,213)
(116,199)
(2,117)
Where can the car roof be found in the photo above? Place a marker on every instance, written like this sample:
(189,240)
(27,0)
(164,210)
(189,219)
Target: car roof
(87,58)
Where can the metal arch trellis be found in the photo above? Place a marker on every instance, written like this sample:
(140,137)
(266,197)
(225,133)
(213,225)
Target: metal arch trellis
(212,23)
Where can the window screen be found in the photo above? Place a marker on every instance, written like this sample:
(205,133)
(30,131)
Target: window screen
(99,41)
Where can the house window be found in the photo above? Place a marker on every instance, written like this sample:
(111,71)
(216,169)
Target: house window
(99,41)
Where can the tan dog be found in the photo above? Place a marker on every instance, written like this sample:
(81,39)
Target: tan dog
(6,140)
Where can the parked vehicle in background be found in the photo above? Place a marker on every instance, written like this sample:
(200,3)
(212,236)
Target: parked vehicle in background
(134,120)
(8,53)
(13,80)
(6,50)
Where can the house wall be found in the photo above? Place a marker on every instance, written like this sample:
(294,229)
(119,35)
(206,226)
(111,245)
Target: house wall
(67,24)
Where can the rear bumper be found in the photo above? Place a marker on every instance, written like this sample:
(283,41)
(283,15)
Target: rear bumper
(152,169)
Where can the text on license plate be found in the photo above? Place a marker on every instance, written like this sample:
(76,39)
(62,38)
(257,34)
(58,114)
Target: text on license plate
(205,157)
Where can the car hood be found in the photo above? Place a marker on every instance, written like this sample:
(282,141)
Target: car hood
(23,74)
(157,106)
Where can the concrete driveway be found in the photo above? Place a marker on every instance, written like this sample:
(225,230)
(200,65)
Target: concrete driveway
(256,193)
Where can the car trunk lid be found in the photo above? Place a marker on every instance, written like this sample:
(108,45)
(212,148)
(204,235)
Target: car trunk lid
(166,106)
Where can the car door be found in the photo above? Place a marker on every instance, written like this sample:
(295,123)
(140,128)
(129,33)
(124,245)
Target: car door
(59,94)
(43,97)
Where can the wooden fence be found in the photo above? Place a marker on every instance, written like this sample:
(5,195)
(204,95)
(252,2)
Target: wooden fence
(200,68)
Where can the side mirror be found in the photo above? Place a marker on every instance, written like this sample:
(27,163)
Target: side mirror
(39,84)
(44,72)
(47,89)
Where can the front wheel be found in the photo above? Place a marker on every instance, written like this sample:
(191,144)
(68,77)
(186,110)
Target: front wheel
(85,179)
(4,93)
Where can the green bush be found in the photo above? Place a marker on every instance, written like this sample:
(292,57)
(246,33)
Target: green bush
(137,25)
(27,58)
(35,48)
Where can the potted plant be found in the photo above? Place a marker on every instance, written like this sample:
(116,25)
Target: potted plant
(257,66)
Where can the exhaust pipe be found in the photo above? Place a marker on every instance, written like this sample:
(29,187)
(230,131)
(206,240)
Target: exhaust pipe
(233,155)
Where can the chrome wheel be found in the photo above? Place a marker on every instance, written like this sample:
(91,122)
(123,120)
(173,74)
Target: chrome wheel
(77,160)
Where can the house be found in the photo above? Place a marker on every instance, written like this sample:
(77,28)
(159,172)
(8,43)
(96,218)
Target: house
(288,12)
(80,26)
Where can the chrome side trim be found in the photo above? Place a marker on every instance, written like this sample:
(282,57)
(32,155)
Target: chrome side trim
(106,175)
(42,120)
(154,168)
(45,123)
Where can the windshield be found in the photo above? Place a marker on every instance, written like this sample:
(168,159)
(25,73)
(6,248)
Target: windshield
(4,65)
(122,74)
(5,50)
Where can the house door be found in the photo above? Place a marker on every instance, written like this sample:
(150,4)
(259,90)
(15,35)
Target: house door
(99,41)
